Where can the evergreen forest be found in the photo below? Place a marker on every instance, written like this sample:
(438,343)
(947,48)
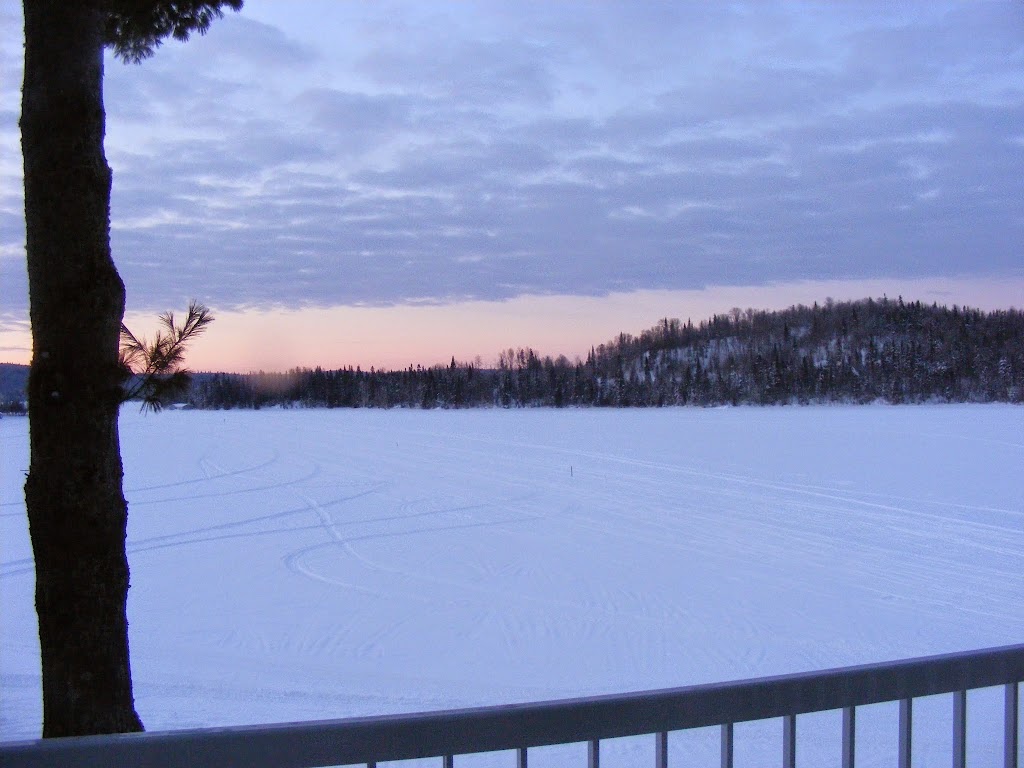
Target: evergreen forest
(864,351)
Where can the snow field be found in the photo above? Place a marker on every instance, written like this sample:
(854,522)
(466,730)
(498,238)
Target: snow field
(292,565)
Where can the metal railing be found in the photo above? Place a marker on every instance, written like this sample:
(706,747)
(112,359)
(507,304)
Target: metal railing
(519,727)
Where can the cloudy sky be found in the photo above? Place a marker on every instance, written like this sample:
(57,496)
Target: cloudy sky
(397,182)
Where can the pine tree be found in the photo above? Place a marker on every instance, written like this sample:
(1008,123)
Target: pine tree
(76,507)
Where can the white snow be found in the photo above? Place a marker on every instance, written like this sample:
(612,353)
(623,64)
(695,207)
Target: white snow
(307,564)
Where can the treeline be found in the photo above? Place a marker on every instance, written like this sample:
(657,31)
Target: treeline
(857,352)
(13,389)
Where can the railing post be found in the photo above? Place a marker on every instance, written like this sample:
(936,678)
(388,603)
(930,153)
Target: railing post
(727,745)
(594,754)
(1010,726)
(906,732)
(661,750)
(960,729)
(849,735)
(521,757)
(789,741)
(449,761)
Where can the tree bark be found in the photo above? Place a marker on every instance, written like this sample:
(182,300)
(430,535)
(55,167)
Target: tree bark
(76,508)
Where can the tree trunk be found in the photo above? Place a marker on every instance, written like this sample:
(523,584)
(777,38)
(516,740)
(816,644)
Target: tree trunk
(76,509)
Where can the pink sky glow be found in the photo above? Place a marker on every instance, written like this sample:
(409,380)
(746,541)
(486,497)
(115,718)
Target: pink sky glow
(399,336)
(396,337)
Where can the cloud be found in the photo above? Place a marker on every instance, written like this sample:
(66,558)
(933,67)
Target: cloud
(325,154)
(465,71)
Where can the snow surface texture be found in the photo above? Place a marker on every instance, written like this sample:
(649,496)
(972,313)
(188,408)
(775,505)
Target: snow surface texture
(293,565)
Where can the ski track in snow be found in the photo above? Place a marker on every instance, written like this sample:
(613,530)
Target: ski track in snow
(344,563)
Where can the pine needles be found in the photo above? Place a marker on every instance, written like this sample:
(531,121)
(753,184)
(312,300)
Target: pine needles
(154,370)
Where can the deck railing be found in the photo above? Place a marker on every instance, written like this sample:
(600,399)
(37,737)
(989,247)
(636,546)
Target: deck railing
(519,727)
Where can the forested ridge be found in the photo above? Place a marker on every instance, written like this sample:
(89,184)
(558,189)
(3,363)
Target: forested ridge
(855,352)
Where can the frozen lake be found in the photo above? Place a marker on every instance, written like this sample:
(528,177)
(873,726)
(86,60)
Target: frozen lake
(291,565)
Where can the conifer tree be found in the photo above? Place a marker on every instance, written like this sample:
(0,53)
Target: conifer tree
(76,507)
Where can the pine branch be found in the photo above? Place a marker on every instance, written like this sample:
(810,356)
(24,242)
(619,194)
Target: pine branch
(136,28)
(157,368)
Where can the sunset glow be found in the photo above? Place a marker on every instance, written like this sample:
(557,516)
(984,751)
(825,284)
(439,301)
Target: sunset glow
(396,337)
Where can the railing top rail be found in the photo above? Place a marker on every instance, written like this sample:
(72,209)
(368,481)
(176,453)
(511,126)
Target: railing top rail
(496,728)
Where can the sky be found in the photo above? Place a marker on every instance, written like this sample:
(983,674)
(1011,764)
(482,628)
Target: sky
(391,183)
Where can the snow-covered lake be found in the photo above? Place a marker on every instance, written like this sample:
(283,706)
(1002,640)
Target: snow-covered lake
(292,565)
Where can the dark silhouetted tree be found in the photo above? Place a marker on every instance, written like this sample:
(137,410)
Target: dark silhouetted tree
(76,507)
